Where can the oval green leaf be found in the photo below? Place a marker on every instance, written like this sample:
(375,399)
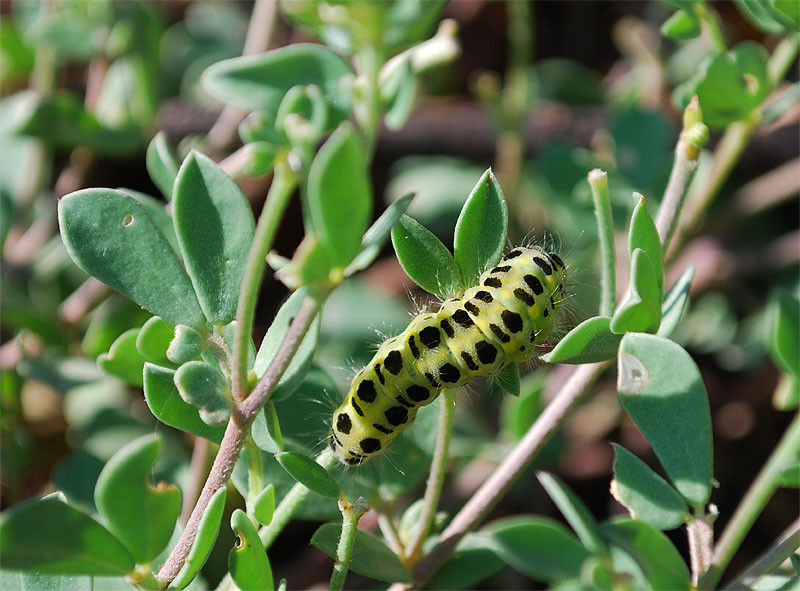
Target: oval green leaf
(339,195)
(661,563)
(264,505)
(537,547)
(298,366)
(646,495)
(784,332)
(589,342)
(308,473)
(473,561)
(110,236)
(675,303)
(186,344)
(161,164)
(377,235)
(206,536)
(661,389)
(215,228)
(425,259)
(508,379)
(481,229)
(641,312)
(168,407)
(141,515)
(681,25)
(643,234)
(247,561)
(50,537)
(123,360)
(153,340)
(371,557)
(259,82)
(203,386)
(266,430)
(574,511)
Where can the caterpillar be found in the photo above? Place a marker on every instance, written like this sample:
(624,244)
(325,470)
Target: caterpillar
(496,322)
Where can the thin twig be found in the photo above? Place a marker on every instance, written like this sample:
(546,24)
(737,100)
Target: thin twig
(786,544)
(700,532)
(351,513)
(433,491)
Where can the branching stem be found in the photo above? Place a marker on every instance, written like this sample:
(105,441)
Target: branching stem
(351,513)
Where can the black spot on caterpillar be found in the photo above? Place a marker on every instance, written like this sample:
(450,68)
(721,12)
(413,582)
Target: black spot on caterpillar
(490,325)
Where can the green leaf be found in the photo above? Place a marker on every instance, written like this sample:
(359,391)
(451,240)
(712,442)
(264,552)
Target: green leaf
(643,234)
(589,342)
(206,536)
(646,495)
(339,195)
(259,82)
(157,211)
(298,366)
(730,85)
(110,319)
(661,389)
(50,537)
(675,303)
(786,396)
(161,164)
(266,430)
(264,505)
(399,91)
(473,560)
(307,472)
(786,12)
(168,407)
(110,236)
(203,386)
(247,561)
(508,379)
(574,511)
(186,344)
(123,359)
(215,228)
(681,25)
(758,13)
(425,259)
(377,235)
(662,565)
(63,121)
(17,581)
(480,234)
(538,547)
(153,340)
(641,311)
(371,557)
(784,332)
(790,477)
(141,515)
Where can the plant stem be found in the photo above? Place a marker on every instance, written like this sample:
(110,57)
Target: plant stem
(687,155)
(700,532)
(290,503)
(237,431)
(368,112)
(487,496)
(433,491)
(283,185)
(255,473)
(783,456)
(351,513)
(598,181)
(785,546)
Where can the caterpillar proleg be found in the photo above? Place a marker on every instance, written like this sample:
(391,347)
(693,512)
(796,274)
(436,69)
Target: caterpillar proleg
(496,322)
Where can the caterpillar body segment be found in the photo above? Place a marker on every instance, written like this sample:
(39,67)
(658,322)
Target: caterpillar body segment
(496,322)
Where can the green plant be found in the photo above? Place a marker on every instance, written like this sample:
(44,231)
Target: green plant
(196,260)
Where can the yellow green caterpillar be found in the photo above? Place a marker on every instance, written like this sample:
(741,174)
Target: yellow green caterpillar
(497,322)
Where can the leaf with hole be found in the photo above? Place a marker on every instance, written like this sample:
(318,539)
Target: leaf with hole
(247,561)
